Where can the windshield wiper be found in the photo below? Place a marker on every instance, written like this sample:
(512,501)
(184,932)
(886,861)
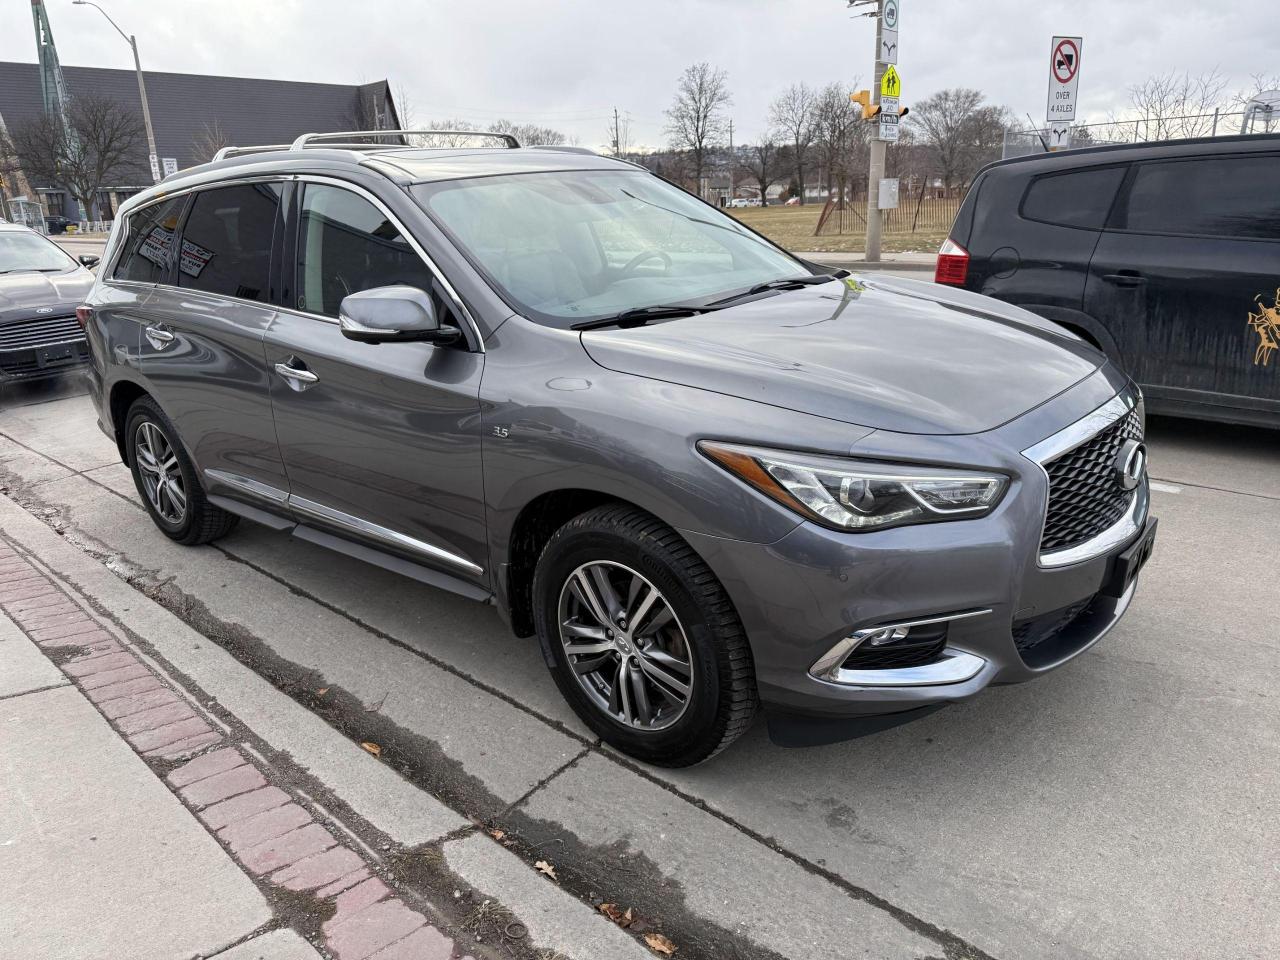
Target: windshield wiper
(786,283)
(639,316)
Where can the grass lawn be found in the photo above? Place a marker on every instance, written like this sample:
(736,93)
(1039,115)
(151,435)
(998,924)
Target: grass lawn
(792,227)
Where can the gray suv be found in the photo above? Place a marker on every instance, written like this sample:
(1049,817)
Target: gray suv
(709,476)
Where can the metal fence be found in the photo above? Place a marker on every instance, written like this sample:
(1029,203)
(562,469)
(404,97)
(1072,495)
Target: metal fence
(1019,143)
(924,210)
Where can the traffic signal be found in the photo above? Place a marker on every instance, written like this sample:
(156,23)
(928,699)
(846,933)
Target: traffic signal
(871,110)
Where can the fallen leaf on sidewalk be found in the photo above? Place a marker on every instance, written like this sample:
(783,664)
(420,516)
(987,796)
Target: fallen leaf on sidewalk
(372,748)
(322,691)
(546,868)
(497,834)
(622,918)
(660,944)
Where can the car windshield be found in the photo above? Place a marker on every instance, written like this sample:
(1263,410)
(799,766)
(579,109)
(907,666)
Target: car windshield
(21,251)
(572,246)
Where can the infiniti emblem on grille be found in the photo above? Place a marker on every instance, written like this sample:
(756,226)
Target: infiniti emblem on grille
(1131,464)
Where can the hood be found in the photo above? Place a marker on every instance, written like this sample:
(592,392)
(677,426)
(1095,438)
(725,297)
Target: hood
(899,355)
(22,294)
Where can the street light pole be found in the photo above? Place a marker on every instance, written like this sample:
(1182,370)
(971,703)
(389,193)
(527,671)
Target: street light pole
(142,87)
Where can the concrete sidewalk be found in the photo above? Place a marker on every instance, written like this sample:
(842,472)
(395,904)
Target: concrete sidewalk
(101,852)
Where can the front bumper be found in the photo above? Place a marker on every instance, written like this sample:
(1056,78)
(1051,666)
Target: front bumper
(1010,613)
(43,359)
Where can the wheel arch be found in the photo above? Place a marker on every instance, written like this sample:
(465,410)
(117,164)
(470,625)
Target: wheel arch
(533,526)
(124,393)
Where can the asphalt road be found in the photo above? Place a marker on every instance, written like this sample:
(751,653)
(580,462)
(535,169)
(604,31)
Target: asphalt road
(1123,806)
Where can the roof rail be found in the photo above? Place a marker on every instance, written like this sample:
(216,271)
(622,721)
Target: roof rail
(234,151)
(311,139)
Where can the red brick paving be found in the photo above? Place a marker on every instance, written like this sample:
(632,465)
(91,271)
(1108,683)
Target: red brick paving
(246,805)
(122,707)
(265,830)
(262,827)
(219,761)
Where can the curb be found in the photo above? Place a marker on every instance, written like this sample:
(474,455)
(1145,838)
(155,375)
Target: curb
(263,828)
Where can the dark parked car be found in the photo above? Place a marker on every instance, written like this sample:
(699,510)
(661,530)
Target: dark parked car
(57,223)
(1166,256)
(40,288)
(707,475)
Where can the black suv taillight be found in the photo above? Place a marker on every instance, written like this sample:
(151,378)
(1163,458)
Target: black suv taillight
(953,264)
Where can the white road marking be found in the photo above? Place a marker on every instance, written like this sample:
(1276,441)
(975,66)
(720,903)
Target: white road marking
(1165,487)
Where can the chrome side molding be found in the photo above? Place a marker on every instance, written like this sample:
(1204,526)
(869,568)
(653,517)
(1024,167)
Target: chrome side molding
(385,534)
(282,499)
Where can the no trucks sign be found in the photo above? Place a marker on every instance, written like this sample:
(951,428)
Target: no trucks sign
(1064,77)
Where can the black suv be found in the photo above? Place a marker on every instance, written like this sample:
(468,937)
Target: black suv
(1166,256)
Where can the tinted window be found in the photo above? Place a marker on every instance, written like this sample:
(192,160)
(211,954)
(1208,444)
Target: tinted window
(1219,196)
(1081,198)
(226,243)
(147,248)
(345,245)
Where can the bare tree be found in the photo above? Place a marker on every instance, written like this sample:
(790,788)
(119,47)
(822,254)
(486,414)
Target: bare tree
(695,119)
(529,134)
(763,162)
(961,132)
(792,115)
(836,131)
(406,107)
(1174,105)
(105,138)
(209,141)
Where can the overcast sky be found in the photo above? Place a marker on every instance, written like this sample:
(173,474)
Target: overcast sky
(568,63)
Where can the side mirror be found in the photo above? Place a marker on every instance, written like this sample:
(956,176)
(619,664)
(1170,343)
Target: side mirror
(393,314)
(89,260)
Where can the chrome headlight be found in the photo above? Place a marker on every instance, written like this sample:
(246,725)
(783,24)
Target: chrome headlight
(860,495)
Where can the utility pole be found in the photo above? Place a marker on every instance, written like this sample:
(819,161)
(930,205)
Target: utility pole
(731,158)
(617,135)
(875,172)
(142,88)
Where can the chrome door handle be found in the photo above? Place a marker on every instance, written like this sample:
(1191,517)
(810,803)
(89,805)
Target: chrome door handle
(299,379)
(158,337)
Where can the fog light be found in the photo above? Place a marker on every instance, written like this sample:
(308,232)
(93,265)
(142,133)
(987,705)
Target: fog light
(878,638)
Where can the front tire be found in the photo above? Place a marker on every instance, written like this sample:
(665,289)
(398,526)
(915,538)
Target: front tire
(648,649)
(166,479)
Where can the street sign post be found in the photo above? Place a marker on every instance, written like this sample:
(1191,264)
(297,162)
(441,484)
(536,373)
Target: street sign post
(155,169)
(888,118)
(1060,135)
(1064,77)
(170,166)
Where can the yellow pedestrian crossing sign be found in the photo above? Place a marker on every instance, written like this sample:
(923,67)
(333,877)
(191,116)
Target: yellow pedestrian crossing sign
(891,83)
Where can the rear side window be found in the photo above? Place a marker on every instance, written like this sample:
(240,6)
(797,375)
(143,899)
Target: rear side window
(149,244)
(1081,198)
(345,245)
(226,242)
(1216,196)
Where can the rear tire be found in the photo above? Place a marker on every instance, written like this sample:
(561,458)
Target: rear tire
(672,688)
(166,478)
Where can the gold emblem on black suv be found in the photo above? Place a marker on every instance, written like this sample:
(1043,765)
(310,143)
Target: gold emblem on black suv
(1266,324)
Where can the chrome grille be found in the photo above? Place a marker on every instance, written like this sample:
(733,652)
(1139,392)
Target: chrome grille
(1085,496)
(39,331)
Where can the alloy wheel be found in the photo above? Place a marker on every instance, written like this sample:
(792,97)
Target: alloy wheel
(160,473)
(625,646)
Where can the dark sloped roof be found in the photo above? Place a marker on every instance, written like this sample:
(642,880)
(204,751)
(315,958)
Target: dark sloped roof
(247,110)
